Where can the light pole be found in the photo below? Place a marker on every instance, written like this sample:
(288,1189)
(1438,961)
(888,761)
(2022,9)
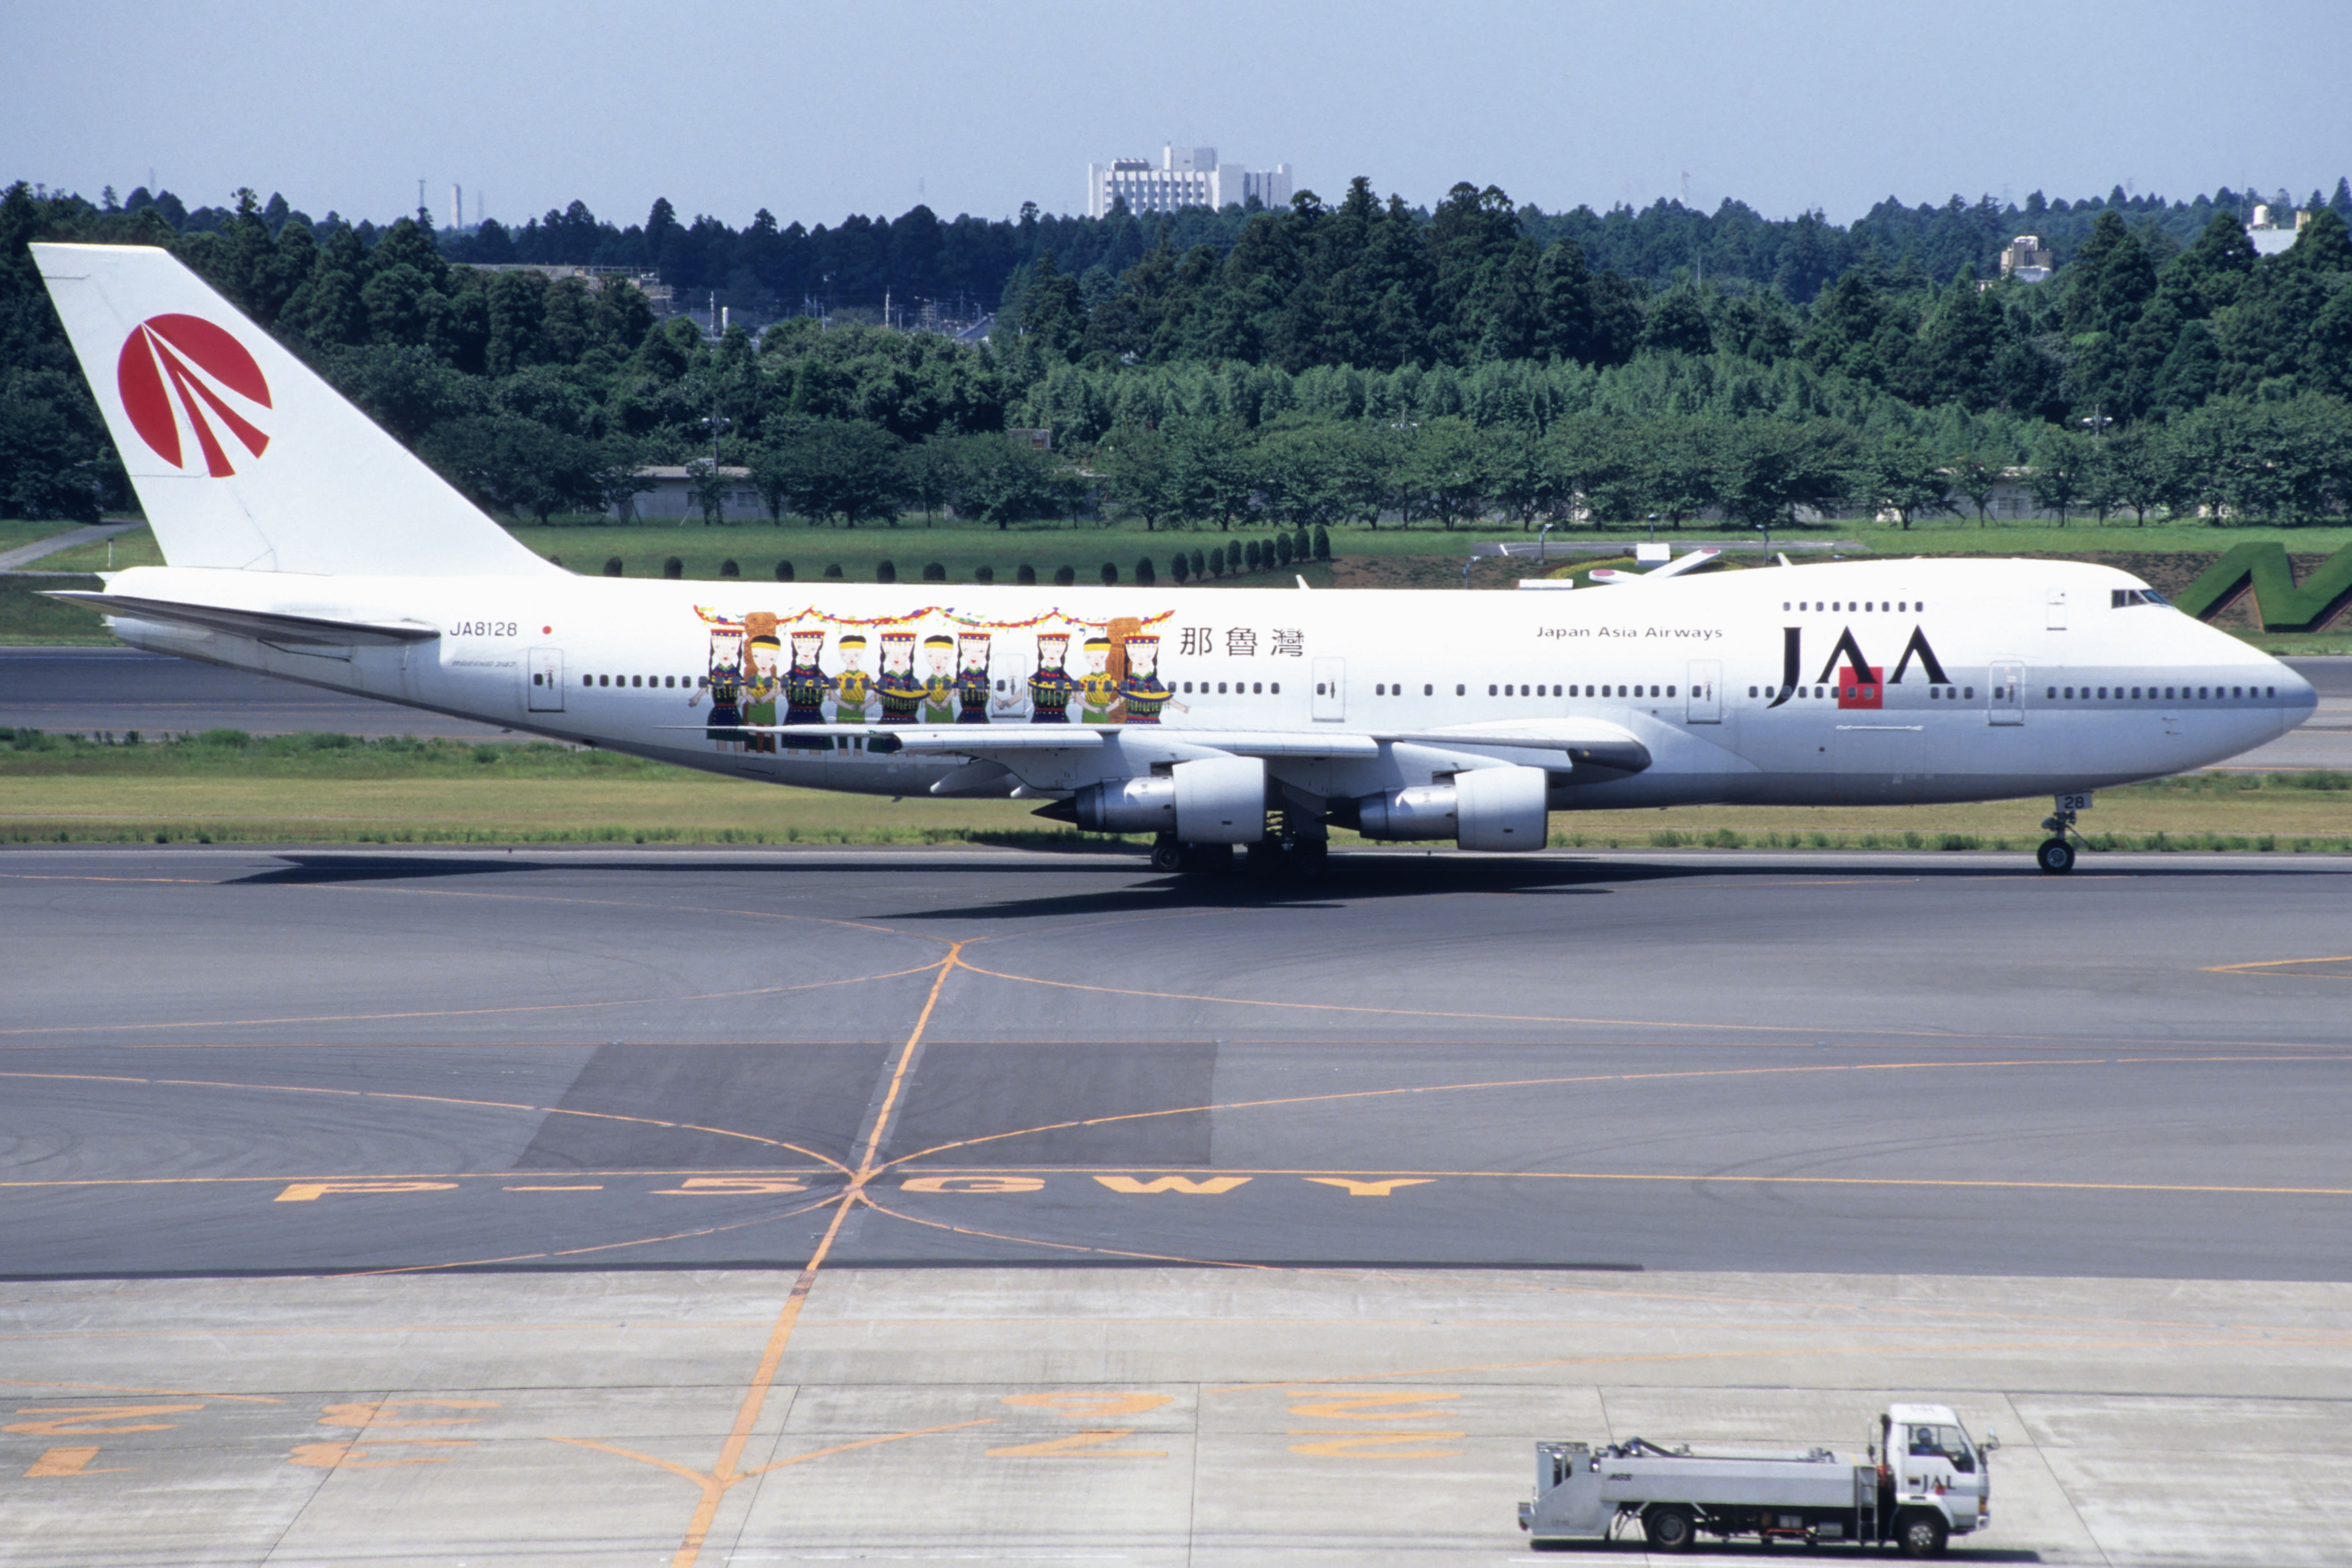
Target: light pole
(1543,535)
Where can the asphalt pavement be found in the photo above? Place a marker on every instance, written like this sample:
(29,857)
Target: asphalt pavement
(702,1208)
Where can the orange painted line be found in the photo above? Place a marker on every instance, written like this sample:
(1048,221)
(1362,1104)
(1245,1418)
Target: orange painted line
(2273,963)
(725,1473)
(580,1251)
(1480,1086)
(649,1173)
(824,1159)
(1423,1012)
(870,1442)
(471,1012)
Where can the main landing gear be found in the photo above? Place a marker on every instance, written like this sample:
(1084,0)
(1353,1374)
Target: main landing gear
(2056,855)
(1295,849)
(1170,854)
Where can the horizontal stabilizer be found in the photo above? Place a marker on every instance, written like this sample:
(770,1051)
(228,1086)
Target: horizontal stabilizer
(262,625)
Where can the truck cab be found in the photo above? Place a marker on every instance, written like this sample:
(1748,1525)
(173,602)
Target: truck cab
(1929,1466)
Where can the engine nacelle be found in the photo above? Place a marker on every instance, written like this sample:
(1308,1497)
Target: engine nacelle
(1424,812)
(1502,807)
(1213,801)
(1484,809)
(1144,805)
(1220,800)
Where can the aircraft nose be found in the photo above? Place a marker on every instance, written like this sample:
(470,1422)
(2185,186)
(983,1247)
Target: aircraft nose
(2298,698)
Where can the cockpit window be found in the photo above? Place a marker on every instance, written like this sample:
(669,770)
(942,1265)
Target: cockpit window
(2124,598)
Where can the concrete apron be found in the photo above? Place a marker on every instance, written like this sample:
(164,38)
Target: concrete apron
(1140,1415)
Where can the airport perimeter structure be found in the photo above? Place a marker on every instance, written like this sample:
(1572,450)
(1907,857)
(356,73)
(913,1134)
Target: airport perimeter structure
(705,1208)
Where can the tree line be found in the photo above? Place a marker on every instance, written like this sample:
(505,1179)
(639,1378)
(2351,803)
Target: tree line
(1323,342)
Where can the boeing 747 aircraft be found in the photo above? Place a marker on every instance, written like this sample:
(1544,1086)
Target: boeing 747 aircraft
(305,543)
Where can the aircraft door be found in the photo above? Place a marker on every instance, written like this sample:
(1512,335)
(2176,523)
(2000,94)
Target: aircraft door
(2005,697)
(545,692)
(1330,690)
(2055,621)
(1706,692)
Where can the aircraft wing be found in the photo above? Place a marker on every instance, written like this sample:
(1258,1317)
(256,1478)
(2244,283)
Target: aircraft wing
(262,625)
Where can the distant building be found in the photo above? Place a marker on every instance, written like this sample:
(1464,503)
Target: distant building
(1184,177)
(648,283)
(671,499)
(2268,238)
(2026,260)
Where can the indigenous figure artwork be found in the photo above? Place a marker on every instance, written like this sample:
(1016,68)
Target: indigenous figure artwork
(1098,687)
(902,693)
(806,685)
(939,681)
(1051,685)
(761,653)
(971,677)
(853,688)
(1141,689)
(937,665)
(724,682)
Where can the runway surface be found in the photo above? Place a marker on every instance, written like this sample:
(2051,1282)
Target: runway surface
(227,1062)
(406,1207)
(117,690)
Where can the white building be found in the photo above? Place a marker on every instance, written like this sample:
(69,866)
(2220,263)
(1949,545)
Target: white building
(1184,177)
(2268,238)
(2027,260)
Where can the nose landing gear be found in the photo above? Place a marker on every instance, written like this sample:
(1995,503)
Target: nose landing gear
(2056,855)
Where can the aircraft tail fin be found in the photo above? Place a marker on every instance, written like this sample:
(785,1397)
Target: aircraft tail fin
(243,457)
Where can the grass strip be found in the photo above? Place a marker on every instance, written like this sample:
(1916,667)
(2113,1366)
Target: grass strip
(225,786)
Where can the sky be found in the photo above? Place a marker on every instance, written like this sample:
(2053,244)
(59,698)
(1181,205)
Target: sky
(815,111)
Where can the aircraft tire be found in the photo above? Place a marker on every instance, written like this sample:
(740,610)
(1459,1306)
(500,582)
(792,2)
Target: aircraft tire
(2055,856)
(1168,855)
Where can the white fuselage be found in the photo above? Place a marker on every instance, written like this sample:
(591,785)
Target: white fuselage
(1920,680)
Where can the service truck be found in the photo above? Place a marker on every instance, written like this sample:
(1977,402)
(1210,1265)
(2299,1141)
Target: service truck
(1920,1482)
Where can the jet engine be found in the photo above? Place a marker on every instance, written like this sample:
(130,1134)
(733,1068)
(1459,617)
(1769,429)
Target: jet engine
(1484,809)
(1212,800)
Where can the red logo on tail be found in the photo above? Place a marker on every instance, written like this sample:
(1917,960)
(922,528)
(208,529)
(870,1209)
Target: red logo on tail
(189,357)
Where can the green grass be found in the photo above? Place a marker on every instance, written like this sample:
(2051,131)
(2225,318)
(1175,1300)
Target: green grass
(228,787)
(584,545)
(26,617)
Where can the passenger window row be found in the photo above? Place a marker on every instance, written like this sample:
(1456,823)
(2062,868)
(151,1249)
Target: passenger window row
(1241,688)
(1934,694)
(1864,607)
(1513,689)
(670,682)
(2187,694)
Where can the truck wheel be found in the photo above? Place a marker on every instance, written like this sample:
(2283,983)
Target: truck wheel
(1669,1528)
(1920,1534)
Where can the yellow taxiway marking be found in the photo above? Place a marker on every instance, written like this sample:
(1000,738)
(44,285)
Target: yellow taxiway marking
(728,1470)
(827,1160)
(474,1012)
(2274,966)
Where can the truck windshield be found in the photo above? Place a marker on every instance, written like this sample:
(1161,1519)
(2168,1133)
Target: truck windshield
(1943,1442)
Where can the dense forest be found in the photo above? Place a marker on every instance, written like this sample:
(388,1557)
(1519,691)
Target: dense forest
(1363,361)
